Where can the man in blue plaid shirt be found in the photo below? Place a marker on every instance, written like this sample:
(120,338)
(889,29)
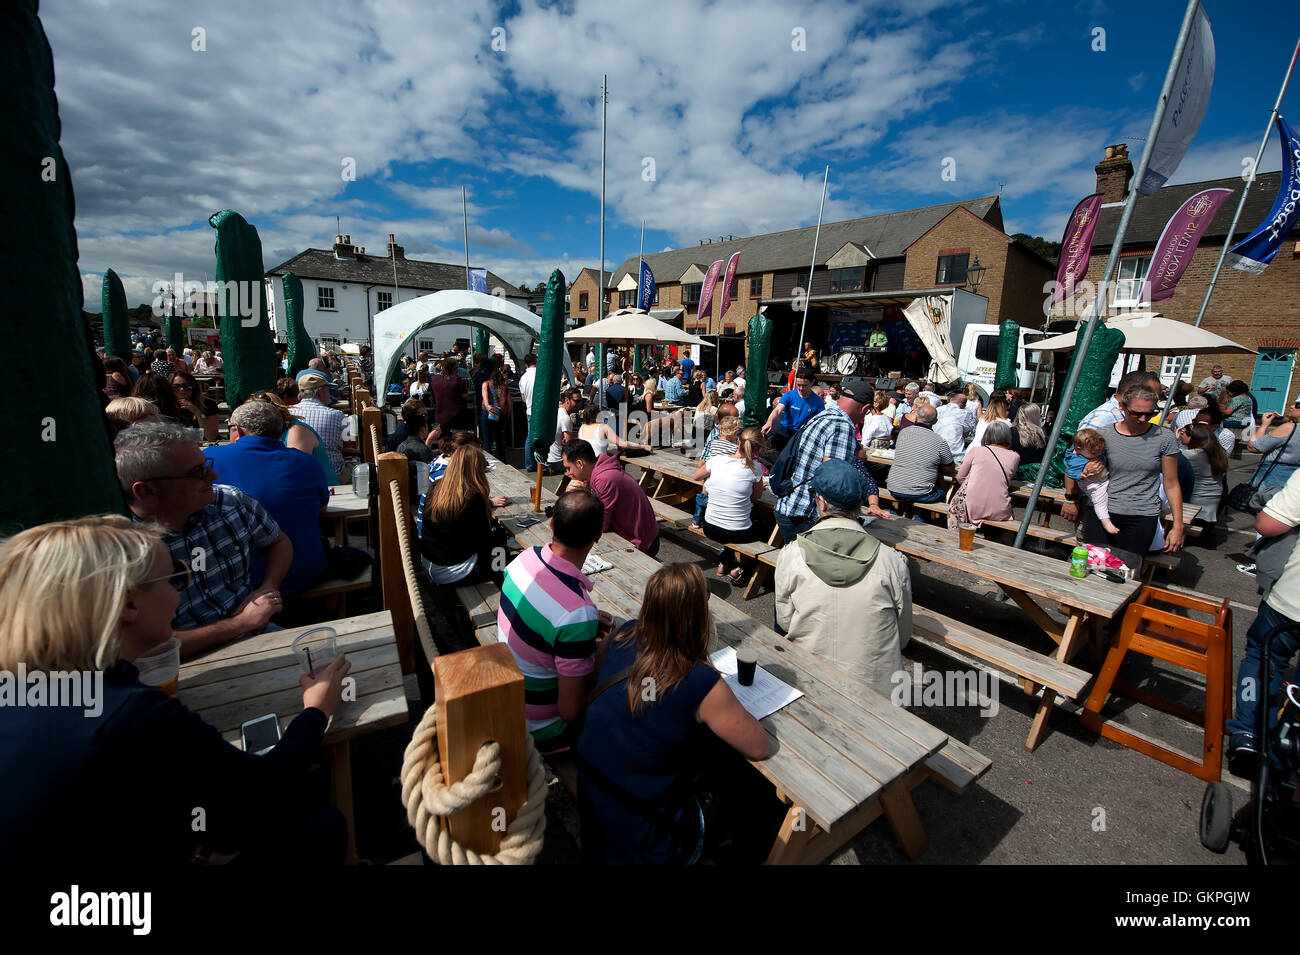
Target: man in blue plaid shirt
(226,538)
(828,435)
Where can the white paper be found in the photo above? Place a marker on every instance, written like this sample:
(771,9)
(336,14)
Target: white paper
(765,696)
(594,565)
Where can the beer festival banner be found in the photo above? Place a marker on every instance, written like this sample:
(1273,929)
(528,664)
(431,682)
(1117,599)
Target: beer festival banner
(1181,235)
(1076,246)
(1253,253)
(706,293)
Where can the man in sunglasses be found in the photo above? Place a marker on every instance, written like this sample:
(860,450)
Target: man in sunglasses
(213,530)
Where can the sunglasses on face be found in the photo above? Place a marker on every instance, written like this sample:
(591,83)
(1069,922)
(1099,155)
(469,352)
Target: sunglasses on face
(179,578)
(197,473)
(182,386)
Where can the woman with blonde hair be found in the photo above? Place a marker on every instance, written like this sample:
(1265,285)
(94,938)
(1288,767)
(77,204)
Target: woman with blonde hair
(127,411)
(733,483)
(996,410)
(1029,438)
(460,540)
(909,418)
(973,401)
(638,751)
(878,423)
(121,761)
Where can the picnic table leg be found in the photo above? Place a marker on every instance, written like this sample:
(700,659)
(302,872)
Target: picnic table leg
(792,840)
(341,790)
(896,801)
(1076,630)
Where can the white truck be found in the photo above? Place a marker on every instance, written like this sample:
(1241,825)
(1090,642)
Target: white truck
(976,346)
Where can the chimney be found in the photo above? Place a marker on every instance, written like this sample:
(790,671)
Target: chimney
(343,248)
(395,251)
(1114,173)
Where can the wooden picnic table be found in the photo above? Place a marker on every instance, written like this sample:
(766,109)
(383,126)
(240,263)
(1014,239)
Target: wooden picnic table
(259,675)
(842,755)
(663,473)
(344,505)
(1025,577)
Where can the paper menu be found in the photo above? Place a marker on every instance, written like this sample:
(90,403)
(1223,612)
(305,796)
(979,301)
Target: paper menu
(765,696)
(594,565)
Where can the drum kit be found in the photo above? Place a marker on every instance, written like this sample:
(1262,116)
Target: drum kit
(857,360)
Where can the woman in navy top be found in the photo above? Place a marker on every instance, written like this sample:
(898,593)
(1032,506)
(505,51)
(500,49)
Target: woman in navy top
(643,725)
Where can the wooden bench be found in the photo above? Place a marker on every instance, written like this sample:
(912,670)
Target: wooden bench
(957,766)
(1032,669)
(755,550)
(334,590)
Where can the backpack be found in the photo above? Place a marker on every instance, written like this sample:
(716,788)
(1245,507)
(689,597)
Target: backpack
(780,479)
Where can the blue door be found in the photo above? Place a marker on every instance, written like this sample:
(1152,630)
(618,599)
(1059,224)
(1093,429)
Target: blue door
(1272,379)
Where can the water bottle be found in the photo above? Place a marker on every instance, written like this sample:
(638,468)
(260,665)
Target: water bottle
(1079,562)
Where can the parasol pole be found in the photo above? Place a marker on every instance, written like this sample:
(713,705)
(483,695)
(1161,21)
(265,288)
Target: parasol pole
(1084,338)
(808,296)
(1227,241)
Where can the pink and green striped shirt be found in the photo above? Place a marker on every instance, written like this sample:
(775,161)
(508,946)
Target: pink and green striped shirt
(547,618)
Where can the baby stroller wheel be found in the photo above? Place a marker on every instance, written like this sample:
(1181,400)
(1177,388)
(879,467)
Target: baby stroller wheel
(1216,817)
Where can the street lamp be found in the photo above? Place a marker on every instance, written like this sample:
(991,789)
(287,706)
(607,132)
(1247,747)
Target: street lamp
(975,275)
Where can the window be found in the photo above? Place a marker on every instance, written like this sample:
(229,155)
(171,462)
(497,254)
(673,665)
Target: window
(849,280)
(329,342)
(756,287)
(691,293)
(656,298)
(734,293)
(1128,280)
(384,300)
(986,348)
(582,301)
(952,269)
(325,298)
(627,298)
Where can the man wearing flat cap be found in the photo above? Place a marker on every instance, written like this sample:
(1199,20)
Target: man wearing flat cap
(840,592)
(829,435)
(313,408)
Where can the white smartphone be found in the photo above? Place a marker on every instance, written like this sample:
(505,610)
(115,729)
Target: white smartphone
(261,734)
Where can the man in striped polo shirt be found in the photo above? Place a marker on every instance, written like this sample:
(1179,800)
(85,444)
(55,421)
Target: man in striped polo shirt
(552,627)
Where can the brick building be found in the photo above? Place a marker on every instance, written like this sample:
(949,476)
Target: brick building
(1259,311)
(867,271)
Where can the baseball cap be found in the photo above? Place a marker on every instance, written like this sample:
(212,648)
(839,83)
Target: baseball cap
(310,380)
(1184,418)
(838,482)
(859,389)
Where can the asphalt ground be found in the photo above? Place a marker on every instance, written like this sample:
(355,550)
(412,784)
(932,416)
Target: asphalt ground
(1076,799)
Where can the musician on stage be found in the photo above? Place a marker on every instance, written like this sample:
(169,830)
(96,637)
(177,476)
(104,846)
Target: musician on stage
(878,338)
(810,356)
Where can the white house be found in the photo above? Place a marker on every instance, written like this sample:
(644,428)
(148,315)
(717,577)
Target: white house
(343,288)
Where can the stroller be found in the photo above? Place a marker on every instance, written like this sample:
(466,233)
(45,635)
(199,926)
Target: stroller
(1267,828)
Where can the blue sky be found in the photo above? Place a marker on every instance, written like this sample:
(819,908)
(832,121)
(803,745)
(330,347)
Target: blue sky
(735,108)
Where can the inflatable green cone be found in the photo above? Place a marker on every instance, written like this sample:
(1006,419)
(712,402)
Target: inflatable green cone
(301,348)
(248,351)
(117,323)
(550,367)
(760,344)
(60,464)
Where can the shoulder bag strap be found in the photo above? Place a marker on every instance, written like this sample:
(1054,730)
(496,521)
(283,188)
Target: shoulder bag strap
(1000,467)
(1277,456)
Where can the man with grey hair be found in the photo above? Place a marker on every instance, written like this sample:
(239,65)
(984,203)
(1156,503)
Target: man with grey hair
(318,364)
(920,457)
(212,530)
(313,408)
(289,483)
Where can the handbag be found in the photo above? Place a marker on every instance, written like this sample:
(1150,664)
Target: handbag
(1248,498)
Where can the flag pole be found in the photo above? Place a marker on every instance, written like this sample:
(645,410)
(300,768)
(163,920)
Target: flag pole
(640,265)
(803,327)
(1232,229)
(464,217)
(1085,337)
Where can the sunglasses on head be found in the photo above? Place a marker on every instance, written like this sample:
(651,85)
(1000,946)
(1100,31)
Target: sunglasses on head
(179,578)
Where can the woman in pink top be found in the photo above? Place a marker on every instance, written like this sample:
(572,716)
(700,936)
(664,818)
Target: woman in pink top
(986,473)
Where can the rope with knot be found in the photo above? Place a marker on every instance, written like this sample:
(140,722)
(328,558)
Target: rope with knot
(428,799)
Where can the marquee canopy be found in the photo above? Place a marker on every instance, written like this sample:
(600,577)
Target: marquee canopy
(395,327)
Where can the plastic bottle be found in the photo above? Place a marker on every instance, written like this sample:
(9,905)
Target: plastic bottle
(1079,562)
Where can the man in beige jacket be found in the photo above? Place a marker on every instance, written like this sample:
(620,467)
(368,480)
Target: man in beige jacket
(841,593)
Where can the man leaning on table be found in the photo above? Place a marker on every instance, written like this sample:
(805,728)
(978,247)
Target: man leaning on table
(212,530)
(840,592)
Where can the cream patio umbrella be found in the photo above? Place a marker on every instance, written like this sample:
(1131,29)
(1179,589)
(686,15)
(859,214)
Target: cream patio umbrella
(1149,333)
(632,326)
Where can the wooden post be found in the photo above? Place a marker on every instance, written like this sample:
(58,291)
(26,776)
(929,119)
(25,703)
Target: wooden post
(392,466)
(537,491)
(480,699)
(372,430)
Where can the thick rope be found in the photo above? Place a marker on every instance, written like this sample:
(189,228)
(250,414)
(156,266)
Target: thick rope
(428,799)
(422,628)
